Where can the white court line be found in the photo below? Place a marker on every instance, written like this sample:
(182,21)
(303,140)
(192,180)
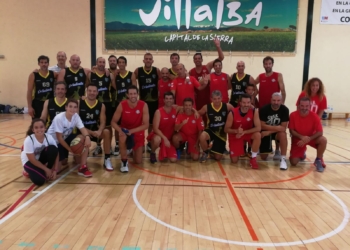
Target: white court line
(252,244)
(3,220)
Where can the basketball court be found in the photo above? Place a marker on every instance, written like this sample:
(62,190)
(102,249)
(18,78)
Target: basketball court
(187,205)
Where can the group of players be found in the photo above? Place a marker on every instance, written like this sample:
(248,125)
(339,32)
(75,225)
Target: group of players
(177,107)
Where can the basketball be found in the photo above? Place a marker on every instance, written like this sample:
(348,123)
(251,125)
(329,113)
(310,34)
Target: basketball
(77,145)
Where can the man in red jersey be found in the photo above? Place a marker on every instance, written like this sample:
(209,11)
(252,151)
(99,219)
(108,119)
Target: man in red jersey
(243,125)
(164,85)
(306,129)
(219,81)
(200,71)
(134,121)
(270,82)
(188,129)
(163,129)
(183,86)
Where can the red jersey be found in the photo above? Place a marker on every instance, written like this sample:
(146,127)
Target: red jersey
(219,82)
(304,125)
(167,122)
(268,86)
(132,117)
(162,88)
(202,96)
(193,125)
(245,122)
(316,103)
(184,89)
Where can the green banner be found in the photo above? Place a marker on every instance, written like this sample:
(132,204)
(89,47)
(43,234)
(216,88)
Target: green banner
(246,25)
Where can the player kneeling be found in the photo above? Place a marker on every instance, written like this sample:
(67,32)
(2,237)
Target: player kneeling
(61,130)
(163,129)
(188,129)
(243,125)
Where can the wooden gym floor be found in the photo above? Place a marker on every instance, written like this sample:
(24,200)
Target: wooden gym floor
(187,205)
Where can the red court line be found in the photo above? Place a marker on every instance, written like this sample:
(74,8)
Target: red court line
(18,201)
(11,138)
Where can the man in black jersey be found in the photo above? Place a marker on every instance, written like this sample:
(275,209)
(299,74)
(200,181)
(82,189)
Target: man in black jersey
(147,78)
(40,87)
(274,119)
(92,113)
(239,82)
(104,82)
(56,105)
(75,77)
(174,60)
(214,137)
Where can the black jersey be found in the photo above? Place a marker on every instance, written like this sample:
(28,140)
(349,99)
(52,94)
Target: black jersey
(104,86)
(274,117)
(90,115)
(43,86)
(217,119)
(53,109)
(122,84)
(238,87)
(148,84)
(171,72)
(75,83)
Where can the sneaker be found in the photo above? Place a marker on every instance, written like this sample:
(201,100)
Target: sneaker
(277,155)
(153,158)
(203,157)
(97,151)
(116,150)
(283,164)
(108,165)
(318,165)
(124,168)
(84,171)
(253,163)
(25,174)
(178,153)
(323,164)
(149,149)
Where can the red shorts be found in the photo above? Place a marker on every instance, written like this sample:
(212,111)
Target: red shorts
(191,142)
(139,139)
(164,152)
(298,152)
(237,144)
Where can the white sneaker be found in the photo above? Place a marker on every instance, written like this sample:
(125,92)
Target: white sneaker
(124,168)
(97,151)
(108,165)
(277,155)
(283,164)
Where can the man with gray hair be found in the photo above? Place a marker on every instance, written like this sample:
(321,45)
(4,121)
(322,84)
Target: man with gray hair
(274,119)
(214,137)
(61,62)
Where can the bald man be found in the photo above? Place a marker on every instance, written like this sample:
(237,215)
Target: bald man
(75,77)
(183,86)
(164,85)
(239,82)
(61,62)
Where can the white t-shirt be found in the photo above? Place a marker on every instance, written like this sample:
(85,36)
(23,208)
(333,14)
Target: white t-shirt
(55,68)
(60,124)
(33,146)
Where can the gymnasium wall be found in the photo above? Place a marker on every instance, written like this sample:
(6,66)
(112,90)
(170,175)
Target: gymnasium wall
(45,27)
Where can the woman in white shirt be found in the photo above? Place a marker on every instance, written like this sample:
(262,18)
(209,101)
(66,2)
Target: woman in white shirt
(40,154)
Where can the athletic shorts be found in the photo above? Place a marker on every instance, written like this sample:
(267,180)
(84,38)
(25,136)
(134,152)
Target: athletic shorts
(152,108)
(298,152)
(62,151)
(139,140)
(109,113)
(38,107)
(237,144)
(191,143)
(164,152)
(266,144)
(219,145)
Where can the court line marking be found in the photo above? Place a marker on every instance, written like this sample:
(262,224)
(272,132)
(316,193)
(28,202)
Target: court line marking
(251,244)
(3,220)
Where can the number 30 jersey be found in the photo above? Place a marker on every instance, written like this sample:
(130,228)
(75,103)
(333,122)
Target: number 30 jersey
(217,119)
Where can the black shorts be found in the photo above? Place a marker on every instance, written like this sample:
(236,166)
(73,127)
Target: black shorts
(38,107)
(266,144)
(152,108)
(109,113)
(219,145)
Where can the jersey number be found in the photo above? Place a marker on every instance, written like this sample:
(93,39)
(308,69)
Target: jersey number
(148,80)
(89,116)
(238,87)
(217,118)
